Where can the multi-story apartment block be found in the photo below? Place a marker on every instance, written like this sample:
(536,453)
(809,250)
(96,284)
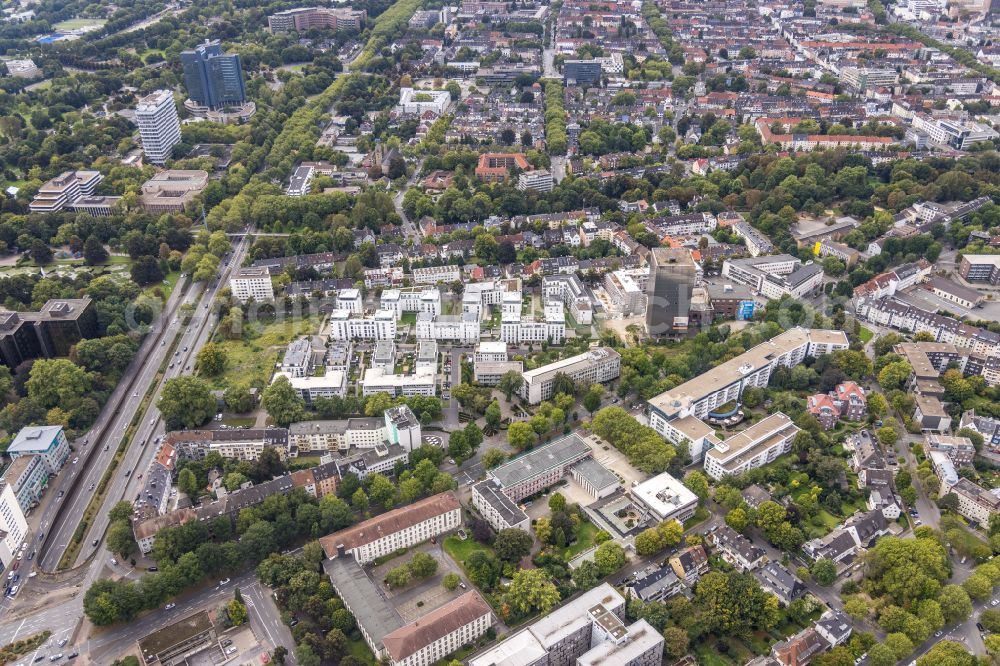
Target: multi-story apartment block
(490,352)
(572,293)
(587,631)
(756,446)
(412,299)
(436,274)
(12,524)
(462,328)
(495,167)
(479,297)
(399,528)
(676,414)
(27,478)
(350,300)
(159,127)
(64,190)
(757,243)
(975,502)
(627,290)
(959,449)
(238,444)
(597,366)
(516,330)
(441,632)
(377,380)
(539,180)
(345,325)
(384,277)
(251,284)
(398,426)
(310,388)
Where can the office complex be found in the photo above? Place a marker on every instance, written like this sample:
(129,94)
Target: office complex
(46,443)
(13,526)
(65,190)
(581,72)
(441,632)
(171,191)
(214,79)
(665,498)
(587,631)
(980,268)
(756,446)
(159,128)
(48,333)
(251,284)
(399,528)
(307,18)
(379,380)
(773,276)
(597,366)
(668,293)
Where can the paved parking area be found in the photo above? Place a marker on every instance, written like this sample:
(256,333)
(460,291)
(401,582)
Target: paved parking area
(614,460)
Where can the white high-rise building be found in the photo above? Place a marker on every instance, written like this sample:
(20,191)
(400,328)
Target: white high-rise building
(159,127)
(252,284)
(12,522)
(345,325)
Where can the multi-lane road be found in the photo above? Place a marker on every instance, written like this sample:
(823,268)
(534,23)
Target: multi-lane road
(95,450)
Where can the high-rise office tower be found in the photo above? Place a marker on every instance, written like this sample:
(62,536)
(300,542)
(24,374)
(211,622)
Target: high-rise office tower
(671,278)
(214,79)
(159,127)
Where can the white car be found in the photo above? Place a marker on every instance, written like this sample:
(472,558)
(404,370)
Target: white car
(169,606)
(224,581)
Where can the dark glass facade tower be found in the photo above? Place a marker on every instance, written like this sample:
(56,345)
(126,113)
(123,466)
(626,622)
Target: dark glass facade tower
(213,78)
(671,279)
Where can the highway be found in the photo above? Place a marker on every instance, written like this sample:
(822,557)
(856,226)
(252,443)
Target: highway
(127,482)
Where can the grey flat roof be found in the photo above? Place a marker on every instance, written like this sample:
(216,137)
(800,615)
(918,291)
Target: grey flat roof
(32,439)
(596,474)
(641,637)
(490,492)
(559,453)
(362,598)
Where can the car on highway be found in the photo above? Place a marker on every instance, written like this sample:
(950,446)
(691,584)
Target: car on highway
(224,581)
(56,657)
(32,556)
(980,627)
(94,543)
(63,642)
(995,602)
(169,606)
(91,487)
(114,561)
(105,447)
(76,460)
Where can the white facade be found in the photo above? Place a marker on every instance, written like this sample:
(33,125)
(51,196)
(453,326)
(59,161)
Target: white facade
(627,290)
(333,383)
(159,127)
(452,641)
(490,352)
(346,326)
(479,297)
(350,300)
(448,328)
(435,274)
(515,330)
(414,299)
(666,498)
(418,101)
(251,284)
(598,365)
(538,180)
(758,445)
(13,524)
(376,380)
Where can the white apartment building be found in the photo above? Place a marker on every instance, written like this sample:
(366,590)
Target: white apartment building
(757,243)
(159,128)
(12,523)
(573,294)
(251,284)
(597,366)
(377,380)
(479,297)
(516,330)
(441,632)
(626,289)
(448,328)
(537,180)
(774,276)
(412,299)
(306,437)
(345,325)
(435,274)
(665,498)
(332,384)
(399,528)
(975,502)
(756,446)
(383,277)
(676,414)
(350,300)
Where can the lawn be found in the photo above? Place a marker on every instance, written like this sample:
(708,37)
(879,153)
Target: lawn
(408,319)
(461,549)
(236,422)
(865,335)
(251,359)
(77,23)
(360,650)
(585,534)
(164,289)
(701,514)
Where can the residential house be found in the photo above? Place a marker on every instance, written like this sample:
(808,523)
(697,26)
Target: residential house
(690,564)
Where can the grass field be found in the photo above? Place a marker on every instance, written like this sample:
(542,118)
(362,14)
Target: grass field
(585,534)
(251,359)
(360,650)
(865,335)
(77,23)
(460,549)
